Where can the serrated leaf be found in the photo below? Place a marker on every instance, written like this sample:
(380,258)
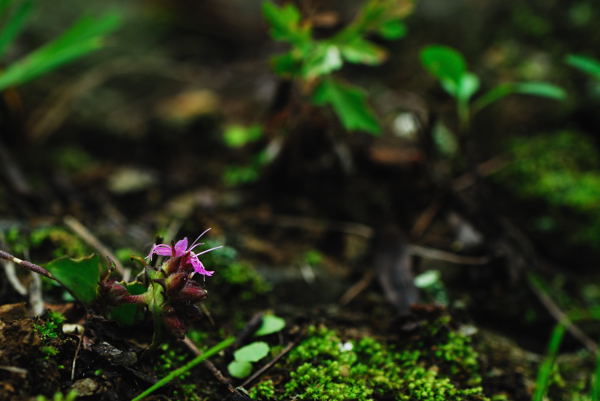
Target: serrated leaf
(129,314)
(323,59)
(361,51)
(349,103)
(443,62)
(79,276)
(392,29)
(585,64)
(270,324)
(239,369)
(285,23)
(253,352)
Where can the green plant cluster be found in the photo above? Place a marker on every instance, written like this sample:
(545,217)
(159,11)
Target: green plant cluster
(323,367)
(71,396)
(51,327)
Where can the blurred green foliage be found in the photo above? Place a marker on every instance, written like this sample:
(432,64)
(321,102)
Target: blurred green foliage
(84,36)
(315,60)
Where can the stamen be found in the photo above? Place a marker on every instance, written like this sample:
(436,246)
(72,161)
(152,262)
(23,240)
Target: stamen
(196,240)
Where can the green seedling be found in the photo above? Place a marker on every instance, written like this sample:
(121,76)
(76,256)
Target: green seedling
(450,68)
(241,366)
(312,62)
(83,37)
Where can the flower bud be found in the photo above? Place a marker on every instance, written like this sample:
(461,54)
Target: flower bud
(191,293)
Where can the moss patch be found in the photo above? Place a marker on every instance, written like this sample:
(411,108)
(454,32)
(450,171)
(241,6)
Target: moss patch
(325,366)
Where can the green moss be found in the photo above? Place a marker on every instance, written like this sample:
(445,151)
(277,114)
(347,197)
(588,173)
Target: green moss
(324,367)
(51,327)
(263,390)
(562,170)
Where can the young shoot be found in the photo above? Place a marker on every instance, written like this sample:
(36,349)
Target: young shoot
(450,68)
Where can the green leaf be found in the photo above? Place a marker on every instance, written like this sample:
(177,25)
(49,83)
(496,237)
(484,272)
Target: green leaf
(286,64)
(443,62)
(253,352)
(14,25)
(239,370)
(392,29)
(349,103)
(79,276)
(585,64)
(270,324)
(361,51)
(83,37)
(323,59)
(468,85)
(237,136)
(129,314)
(444,140)
(285,23)
(542,89)
(427,279)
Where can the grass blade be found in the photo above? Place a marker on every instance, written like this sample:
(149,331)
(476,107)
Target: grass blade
(82,38)
(174,374)
(543,377)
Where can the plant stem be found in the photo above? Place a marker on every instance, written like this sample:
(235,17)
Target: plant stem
(26,265)
(177,372)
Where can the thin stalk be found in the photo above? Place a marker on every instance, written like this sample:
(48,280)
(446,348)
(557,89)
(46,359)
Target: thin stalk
(177,372)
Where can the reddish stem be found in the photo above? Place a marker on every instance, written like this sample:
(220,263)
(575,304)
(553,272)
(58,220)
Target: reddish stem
(26,264)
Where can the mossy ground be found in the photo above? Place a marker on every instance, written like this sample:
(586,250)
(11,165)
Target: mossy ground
(438,364)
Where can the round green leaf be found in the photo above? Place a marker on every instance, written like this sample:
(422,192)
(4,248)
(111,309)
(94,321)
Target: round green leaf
(270,324)
(252,352)
(239,370)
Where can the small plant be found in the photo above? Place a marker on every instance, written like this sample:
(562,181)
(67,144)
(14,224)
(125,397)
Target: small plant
(83,37)
(168,292)
(450,68)
(244,357)
(312,62)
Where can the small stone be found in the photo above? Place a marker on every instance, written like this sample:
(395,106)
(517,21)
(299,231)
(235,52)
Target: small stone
(85,387)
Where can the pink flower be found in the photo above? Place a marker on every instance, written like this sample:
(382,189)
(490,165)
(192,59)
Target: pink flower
(180,249)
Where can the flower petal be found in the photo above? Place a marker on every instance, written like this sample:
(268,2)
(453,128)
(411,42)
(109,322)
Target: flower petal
(199,267)
(161,249)
(181,247)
